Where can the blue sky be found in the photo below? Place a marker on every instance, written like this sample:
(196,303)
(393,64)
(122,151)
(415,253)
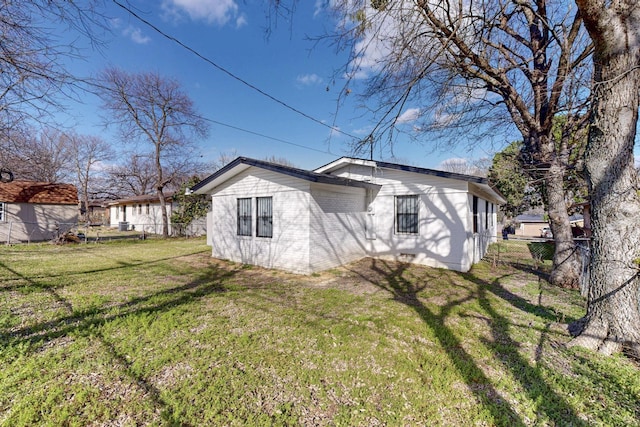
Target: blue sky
(287,65)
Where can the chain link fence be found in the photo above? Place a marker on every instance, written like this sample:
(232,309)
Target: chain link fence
(536,254)
(61,232)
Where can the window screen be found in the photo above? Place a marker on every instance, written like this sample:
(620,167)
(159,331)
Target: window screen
(244,217)
(407,214)
(264,227)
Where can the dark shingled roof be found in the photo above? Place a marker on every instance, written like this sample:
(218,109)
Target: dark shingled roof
(38,192)
(145,198)
(286,170)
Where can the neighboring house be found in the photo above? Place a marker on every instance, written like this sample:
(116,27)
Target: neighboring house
(36,211)
(97,212)
(535,225)
(530,225)
(302,221)
(143,213)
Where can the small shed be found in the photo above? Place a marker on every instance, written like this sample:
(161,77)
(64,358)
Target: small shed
(36,211)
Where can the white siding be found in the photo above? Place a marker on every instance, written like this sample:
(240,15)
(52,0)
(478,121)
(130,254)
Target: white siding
(319,226)
(444,227)
(148,222)
(337,234)
(288,249)
(29,222)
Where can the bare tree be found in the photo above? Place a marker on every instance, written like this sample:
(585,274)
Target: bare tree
(46,157)
(88,153)
(153,110)
(442,66)
(462,166)
(613,311)
(33,76)
(279,161)
(222,160)
(135,176)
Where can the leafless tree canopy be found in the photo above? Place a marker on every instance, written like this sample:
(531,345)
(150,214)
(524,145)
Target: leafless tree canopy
(458,165)
(134,176)
(154,111)
(446,65)
(89,154)
(33,77)
(45,157)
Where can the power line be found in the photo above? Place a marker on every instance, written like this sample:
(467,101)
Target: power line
(234,127)
(267,136)
(227,72)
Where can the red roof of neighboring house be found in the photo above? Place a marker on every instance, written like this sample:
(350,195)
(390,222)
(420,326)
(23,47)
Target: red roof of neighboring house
(38,192)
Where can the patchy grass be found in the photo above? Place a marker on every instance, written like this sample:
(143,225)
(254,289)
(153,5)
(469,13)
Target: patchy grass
(158,333)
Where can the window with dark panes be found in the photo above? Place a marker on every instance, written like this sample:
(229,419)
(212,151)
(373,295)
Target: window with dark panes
(3,215)
(407,214)
(264,224)
(244,217)
(475,214)
(486,214)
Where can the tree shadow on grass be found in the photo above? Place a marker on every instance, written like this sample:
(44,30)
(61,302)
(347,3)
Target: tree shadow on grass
(17,278)
(88,322)
(392,278)
(549,403)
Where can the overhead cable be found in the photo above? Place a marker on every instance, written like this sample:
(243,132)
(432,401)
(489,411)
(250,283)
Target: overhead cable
(229,73)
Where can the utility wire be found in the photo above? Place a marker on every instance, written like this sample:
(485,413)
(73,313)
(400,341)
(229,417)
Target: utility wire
(229,73)
(267,136)
(100,86)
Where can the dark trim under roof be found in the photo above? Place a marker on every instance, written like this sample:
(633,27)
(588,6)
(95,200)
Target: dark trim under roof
(424,171)
(286,170)
(140,199)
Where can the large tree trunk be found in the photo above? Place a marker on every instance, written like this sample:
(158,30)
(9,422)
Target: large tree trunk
(613,314)
(566,262)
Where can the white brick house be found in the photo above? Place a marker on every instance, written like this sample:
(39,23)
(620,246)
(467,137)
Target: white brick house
(144,213)
(302,221)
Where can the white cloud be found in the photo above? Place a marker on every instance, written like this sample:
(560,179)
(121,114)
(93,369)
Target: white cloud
(241,21)
(309,79)
(115,23)
(410,115)
(362,131)
(217,12)
(135,34)
(335,132)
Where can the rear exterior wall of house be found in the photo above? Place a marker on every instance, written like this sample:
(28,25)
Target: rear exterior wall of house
(288,246)
(445,235)
(337,225)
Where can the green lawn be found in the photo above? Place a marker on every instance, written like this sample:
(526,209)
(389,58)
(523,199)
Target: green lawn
(158,333)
